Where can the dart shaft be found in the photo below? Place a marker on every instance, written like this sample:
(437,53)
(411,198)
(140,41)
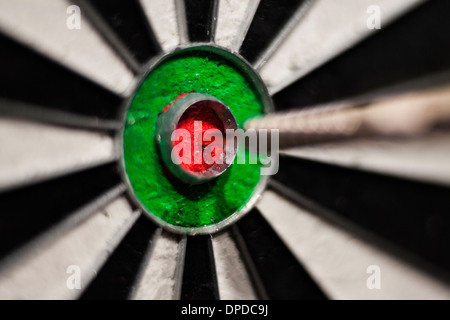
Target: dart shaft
(402,116)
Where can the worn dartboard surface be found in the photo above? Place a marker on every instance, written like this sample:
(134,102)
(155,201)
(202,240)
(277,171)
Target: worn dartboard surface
(90,208)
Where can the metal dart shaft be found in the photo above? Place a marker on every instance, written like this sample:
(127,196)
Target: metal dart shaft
(402,116)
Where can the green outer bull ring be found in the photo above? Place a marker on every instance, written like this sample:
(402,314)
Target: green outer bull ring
(267,106)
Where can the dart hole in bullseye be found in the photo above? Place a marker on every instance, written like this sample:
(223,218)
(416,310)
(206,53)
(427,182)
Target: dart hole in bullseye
(191,134)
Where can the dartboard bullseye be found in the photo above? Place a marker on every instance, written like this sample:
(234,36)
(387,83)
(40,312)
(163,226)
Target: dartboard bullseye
(192,184)
(191,134)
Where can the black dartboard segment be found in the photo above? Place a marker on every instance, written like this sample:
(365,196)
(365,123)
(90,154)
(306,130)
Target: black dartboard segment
(413,215)
(199,274)
(270,18)
(128,22)
(117,278)
(201,18)
(412,47)
(281,276)
(29,77)
(29,211)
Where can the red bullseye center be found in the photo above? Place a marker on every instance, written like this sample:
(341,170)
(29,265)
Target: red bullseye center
(205,144)
(192,140)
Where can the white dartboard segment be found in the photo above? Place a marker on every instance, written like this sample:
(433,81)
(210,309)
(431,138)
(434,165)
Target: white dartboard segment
(162,15)
(423,159)
(327,29)
(50,271)
(233,21)
(161,272)
(343,264)
(47,27)
(32,152)
(232,276)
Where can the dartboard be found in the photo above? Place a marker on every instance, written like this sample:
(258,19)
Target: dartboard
(103,195)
